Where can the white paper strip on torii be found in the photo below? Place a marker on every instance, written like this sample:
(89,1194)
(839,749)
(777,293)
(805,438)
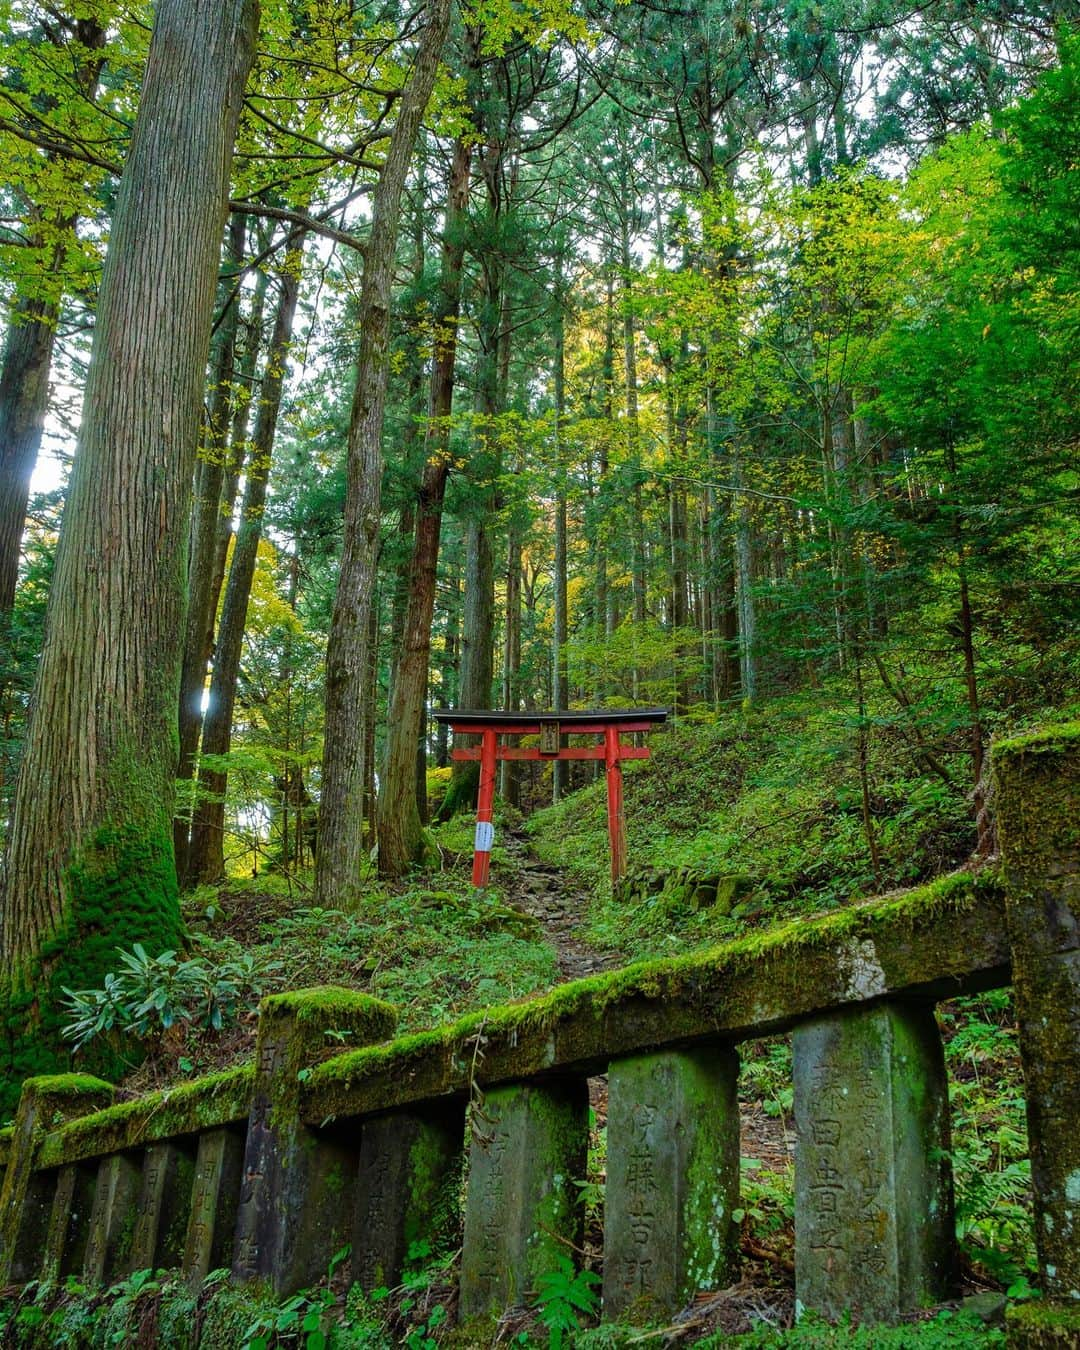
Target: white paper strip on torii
(485,836)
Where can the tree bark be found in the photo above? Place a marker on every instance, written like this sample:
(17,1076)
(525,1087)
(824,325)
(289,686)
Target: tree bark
(90,862)
(343,776)
(559,680)
(206,851)
(478,613)
(400,826)
(637,519)
(24,398)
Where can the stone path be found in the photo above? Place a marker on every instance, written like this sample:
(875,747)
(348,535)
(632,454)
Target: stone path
(542,891)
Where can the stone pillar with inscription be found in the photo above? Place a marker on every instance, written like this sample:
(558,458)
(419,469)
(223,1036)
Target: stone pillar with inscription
(215,1196)
(113,1217)
(873,1184)
(407,1189)
(26,1199)
(522,1209)
(296,1193)
(164,1206)
(672,1180)
(1038,808)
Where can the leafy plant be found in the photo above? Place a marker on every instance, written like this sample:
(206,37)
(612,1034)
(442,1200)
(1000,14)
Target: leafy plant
(563,1296)
(149,994)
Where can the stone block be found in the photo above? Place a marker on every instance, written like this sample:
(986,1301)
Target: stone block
(69,1221)
(528,1147)
(215,1197)
(672,1180)
(113,1218)
(873,1183)
(1038,799)
(163,1207)
(296,1195)
(407,1189)
(26,1199)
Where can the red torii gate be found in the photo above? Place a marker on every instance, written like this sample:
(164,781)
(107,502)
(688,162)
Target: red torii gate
(551,727)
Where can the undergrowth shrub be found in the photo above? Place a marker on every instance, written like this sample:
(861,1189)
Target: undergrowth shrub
(149,994)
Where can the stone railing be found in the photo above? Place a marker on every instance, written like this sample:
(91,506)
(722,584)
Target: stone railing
(272,1168)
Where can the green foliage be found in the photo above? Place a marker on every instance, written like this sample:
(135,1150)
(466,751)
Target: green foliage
(563,1296)
(772,795)
(946,1331)
(990,1163)
(434,951)
(148,995)
(300,1321)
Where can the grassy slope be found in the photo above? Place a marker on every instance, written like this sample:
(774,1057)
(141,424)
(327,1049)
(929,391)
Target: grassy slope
(771,796)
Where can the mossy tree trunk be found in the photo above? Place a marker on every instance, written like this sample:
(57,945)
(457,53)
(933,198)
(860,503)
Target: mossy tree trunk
(209,478)
(341,823)
(90,863)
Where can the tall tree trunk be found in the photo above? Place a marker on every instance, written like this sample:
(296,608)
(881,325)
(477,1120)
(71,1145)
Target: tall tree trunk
(449,667)
(511,672)
(206,850)
(206,513)
(24,398)
(478,615)
(637,518)
(239,446)
(744,583)
(559,681)
(601,609)
(411,443)
(343,775)
(90,864)
(368,712)
(400,825)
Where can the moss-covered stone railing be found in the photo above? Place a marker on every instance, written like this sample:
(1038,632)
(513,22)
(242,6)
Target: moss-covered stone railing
(273,1167)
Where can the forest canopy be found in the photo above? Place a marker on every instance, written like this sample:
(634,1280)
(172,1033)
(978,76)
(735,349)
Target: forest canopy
(509,356)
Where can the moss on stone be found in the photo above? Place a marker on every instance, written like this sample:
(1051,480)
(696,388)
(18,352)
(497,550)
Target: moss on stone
(67,1085)
(207,1103)
(434,1181)
(1042,1326)
(1047,740)
(325,1002)
(942,931)
(229,1313)
(1038,799)
(1038,791)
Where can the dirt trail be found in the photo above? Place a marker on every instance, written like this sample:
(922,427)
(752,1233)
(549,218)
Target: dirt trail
(542,891)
